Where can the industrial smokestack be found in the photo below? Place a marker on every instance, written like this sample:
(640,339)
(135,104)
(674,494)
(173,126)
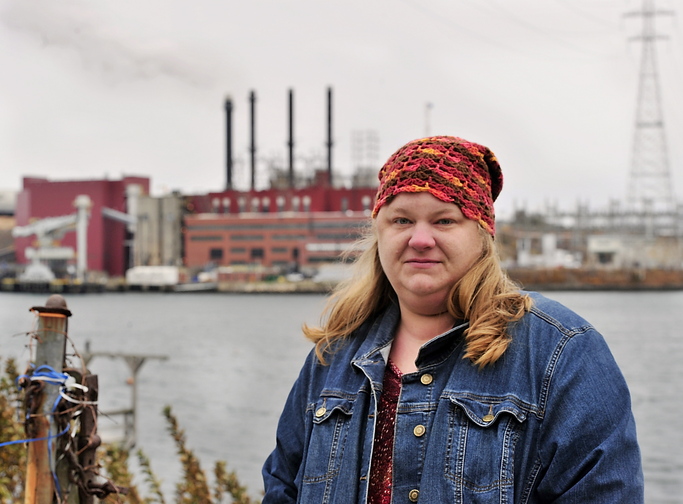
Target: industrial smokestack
(290,143)
(228,143)
(252,148)
(329,135)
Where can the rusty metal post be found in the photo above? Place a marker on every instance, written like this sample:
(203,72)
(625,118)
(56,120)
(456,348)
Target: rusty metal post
(51,335)
(88,440)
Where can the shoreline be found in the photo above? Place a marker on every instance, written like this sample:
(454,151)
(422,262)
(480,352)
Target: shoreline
(557,279)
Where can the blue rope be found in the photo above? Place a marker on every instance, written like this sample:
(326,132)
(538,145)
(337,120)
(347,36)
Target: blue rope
(22,441)
(47,374)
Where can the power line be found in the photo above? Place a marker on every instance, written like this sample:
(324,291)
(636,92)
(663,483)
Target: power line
(571,6)
(453,24)
(545,33)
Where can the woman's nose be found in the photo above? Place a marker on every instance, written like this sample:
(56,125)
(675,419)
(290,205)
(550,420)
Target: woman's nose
(422,237)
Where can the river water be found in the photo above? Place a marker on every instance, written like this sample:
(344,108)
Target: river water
(233,357)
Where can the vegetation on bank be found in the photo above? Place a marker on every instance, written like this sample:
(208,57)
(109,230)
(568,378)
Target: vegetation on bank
(194,486)
(13,456)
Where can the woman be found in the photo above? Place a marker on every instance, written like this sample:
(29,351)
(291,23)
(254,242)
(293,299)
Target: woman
(435,379)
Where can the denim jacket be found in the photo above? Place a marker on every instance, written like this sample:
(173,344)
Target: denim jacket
(550,421)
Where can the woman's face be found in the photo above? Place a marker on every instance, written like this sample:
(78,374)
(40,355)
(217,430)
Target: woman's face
(425,246)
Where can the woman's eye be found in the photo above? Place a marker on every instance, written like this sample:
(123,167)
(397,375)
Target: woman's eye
(445,221)
(401,220)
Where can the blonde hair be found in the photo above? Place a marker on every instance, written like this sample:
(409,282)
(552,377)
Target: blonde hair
(485,296)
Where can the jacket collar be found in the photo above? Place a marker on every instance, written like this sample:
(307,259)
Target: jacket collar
(377,342)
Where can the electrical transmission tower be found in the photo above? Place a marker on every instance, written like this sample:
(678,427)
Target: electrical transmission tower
(650,188)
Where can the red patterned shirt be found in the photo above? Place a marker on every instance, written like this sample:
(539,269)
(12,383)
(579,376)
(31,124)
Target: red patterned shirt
(383,448)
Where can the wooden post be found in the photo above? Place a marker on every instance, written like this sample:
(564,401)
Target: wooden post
(51,335)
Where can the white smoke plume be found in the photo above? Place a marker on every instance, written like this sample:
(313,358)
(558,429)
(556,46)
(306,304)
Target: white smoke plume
(113,52)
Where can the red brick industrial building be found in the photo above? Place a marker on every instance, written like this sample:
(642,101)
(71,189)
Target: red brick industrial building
(282,228)
(283,240)
(287,229)
(106,238)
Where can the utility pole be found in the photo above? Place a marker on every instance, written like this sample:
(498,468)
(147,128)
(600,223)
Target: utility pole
(650,188)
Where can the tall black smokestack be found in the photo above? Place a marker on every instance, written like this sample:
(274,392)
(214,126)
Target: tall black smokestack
(329,135)
(290,143)
(228,143)
(252,148)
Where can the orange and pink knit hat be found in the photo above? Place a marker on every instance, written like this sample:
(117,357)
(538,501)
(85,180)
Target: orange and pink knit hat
(451,169)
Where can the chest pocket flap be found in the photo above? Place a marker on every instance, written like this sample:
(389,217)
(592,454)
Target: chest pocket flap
(485,411)
(327,407)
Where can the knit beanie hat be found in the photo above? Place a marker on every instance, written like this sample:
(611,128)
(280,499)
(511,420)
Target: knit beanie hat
(451,169)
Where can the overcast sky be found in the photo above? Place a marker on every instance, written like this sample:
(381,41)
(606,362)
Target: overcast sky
(103,88)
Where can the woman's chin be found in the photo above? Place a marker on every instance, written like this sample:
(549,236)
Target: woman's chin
(424,299)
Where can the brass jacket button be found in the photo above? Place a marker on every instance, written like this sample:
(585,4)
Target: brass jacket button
(413,495)
(489,417)
(320,411)
(426,379)
(419,430)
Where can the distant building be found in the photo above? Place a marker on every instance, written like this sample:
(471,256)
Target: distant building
(288,241)
(318,196)
(7,203)
(158,236)
(632,251)
(8,200)
(286,228)
(107,239)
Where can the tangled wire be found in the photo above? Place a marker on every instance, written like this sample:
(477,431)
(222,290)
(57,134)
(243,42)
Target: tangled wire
(72,434)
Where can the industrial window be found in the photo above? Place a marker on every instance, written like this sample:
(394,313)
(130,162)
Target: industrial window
(268,225)
(366,202)
(257,253)
(289,237)
(324,259)
(605,257)
(330,224)
(338,236)
(206,238)
(216,254)
(246,237)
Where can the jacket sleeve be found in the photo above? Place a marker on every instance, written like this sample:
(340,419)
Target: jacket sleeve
(282,470)
(589,452)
